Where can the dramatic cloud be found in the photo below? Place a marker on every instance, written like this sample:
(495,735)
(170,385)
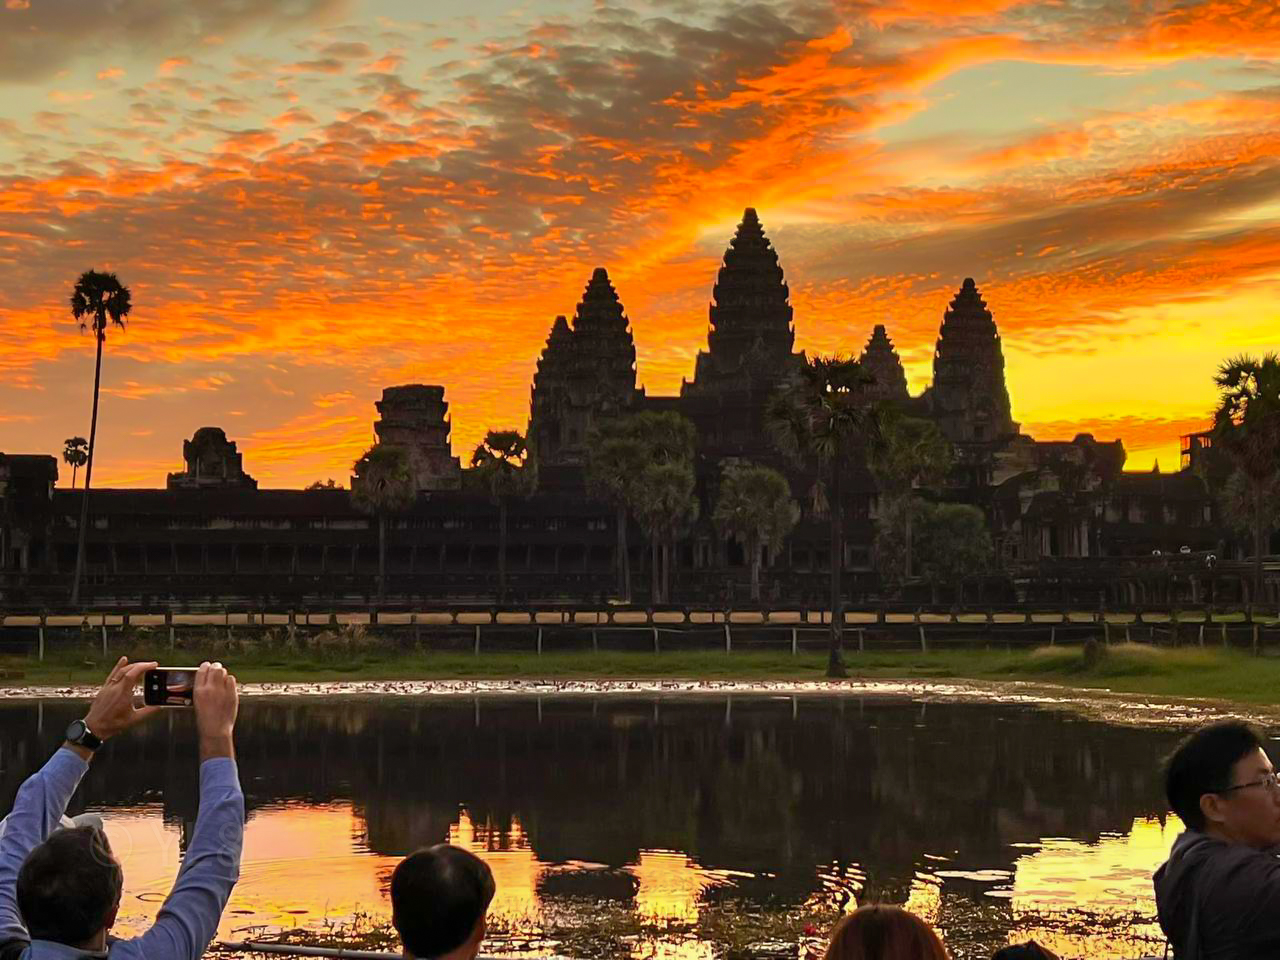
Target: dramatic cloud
(351,203)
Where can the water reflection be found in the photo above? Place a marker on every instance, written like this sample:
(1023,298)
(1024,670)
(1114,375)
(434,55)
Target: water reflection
(991,821)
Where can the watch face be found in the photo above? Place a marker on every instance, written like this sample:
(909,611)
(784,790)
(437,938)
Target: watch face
(76,731)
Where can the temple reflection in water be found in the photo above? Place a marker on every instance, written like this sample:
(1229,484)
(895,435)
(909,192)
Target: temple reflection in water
(989,818)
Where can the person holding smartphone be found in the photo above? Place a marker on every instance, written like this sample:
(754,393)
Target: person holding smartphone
(60,887)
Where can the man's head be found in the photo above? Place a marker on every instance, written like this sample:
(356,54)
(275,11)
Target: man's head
(439,898)
(69,888)
(1219,780)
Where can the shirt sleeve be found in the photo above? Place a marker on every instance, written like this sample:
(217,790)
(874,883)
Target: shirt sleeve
(189,917)
(37,812)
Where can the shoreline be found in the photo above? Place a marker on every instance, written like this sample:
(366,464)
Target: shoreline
(1100,704)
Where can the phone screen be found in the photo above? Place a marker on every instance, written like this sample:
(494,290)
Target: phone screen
(169,686)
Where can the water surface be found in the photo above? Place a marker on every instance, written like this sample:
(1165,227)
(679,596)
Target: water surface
(690,824)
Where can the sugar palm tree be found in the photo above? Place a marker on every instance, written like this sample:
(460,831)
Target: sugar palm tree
(1246,426)
(755,508)
(75,454)
(820,415)
(615,461)
(912,452)
(97,301)
(502,462)
(666,508)
(382,485)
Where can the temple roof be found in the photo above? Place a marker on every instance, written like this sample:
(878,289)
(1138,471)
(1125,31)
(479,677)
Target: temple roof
(967,318)
(881,361)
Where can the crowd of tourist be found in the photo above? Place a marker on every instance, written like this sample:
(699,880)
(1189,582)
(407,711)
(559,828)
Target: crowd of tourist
(1217,896)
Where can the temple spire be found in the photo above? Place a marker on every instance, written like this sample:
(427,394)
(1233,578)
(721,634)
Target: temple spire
(881,361)
(969,396)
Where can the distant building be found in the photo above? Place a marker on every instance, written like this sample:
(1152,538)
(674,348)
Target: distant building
(1062,514)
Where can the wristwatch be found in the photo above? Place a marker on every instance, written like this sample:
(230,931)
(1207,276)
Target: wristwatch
(79,733)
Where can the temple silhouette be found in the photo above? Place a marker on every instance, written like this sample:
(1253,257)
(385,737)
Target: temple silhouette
(1065,517)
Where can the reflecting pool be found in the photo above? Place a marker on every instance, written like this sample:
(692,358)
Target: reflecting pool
(685,827)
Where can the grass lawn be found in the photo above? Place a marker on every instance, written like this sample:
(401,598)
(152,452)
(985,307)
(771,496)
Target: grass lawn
(1185,672)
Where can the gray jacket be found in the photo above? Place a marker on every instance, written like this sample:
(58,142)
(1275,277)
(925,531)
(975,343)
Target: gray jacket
(1218,900)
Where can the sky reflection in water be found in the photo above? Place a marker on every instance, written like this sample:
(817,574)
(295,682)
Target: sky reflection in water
(994,823)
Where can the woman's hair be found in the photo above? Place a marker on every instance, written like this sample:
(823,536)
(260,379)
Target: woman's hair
(884,933)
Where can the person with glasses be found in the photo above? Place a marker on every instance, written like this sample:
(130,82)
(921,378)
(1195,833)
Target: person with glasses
(1218,894)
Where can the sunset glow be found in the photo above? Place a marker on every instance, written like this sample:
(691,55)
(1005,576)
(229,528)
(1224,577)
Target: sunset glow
(314,199)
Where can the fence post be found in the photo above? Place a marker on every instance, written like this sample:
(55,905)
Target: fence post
(1255,638)
(924,645)
(1127,636)
(862,640)
(477,650)
(656,647)
(1106,632)
(43,617)
(1202,634)
(1053,636)
(168,619)
(1224,633)
(595,646)
(539,654)
(728,638)
(104,635)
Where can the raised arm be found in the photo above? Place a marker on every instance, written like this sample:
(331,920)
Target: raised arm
(189,918)
(43,798)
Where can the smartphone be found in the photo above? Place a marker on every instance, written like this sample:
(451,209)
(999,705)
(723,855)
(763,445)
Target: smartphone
(169,687)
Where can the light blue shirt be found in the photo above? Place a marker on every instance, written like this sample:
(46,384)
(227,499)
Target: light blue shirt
(188,919)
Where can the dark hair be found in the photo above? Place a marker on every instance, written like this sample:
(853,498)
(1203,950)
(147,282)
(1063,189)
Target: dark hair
(1024,951)
(69,885)
(1202,763)
(438,895)
(881,932)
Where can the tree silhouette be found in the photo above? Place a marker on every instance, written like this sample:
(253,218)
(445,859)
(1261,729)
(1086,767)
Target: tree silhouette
(755,508)
(382,485)
(97,300)
(615,461)
(501,460)
(666,507)
(75,454)
(1247,426)
(820,414)
(912,451)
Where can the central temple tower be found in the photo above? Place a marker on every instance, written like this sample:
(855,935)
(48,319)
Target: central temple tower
(969,399)
(749,346)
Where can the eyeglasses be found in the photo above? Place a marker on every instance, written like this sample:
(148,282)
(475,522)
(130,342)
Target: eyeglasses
(1271,781)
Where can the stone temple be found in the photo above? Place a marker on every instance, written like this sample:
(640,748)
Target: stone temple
(1066,518)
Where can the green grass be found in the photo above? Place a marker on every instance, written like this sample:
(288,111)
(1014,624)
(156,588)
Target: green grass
(1215,673)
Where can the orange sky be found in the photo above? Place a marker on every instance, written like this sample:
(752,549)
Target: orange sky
(314,199)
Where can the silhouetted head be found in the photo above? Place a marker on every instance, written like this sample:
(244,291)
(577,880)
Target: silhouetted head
(1220,780)
(439,899)
(881,932)
(1024,951)
(69,888)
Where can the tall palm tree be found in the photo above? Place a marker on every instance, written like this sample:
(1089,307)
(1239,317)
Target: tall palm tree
(1246,426)
(615,462)
(97,300)
(666,507)
(382,485)
(755,508)
(75,454)
(502,462)
(912,452)
(820,414)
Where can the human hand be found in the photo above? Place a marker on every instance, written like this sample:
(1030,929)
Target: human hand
(112,710)
(217,701)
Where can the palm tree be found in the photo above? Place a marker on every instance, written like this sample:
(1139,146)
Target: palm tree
(666,507)
(382,485)
(755,508)
(615,462)
(912,452)
(1246,426)
(821,413)
(96,299)
(75,454)
(501,460)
